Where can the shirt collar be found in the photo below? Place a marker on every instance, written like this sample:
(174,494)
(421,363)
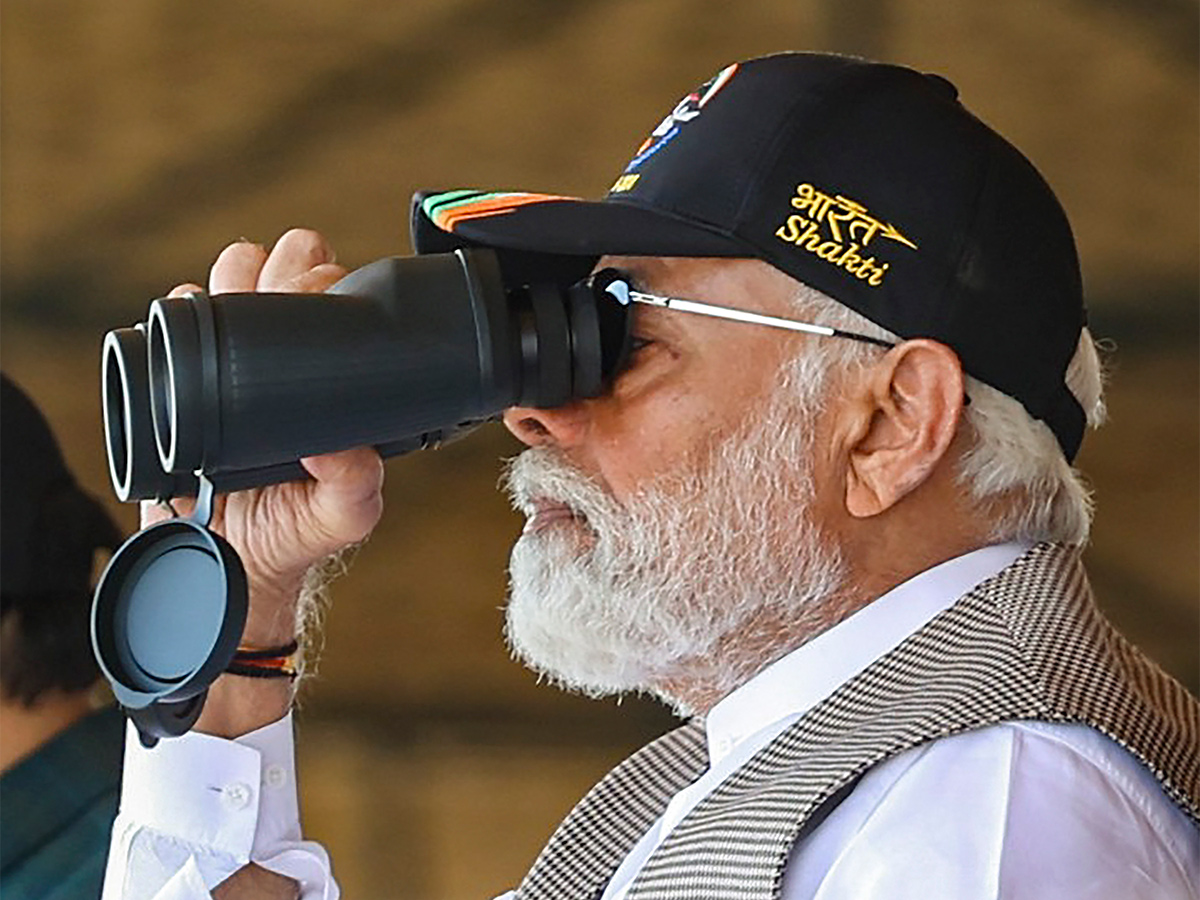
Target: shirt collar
(792,685)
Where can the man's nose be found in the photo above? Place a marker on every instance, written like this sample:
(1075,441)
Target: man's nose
(562,426)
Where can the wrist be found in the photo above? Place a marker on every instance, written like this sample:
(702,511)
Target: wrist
(237,705)
(271,618)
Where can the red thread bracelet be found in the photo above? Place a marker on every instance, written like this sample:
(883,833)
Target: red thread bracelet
(273,662)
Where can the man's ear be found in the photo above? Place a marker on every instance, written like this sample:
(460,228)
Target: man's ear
(899,423)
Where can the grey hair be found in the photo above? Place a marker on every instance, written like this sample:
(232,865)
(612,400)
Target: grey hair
(1013,471)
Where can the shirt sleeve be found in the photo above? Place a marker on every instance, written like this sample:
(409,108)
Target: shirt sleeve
(197,808)
(1022,810)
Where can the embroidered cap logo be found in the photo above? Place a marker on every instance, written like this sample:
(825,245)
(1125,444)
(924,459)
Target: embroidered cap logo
(685,111)
(848,229)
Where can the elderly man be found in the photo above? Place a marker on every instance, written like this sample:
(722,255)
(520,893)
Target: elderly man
(850,557)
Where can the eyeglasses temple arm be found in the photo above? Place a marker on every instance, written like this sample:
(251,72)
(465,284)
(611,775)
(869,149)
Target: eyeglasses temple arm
(739,315)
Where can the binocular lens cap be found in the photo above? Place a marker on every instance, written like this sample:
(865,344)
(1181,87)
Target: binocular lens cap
(168,613)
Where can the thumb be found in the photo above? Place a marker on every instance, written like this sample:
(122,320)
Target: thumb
(346,496)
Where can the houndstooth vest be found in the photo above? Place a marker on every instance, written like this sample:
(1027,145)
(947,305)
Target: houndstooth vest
(1027,643)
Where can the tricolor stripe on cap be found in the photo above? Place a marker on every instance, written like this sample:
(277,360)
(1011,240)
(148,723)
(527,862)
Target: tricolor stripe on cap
(447,209)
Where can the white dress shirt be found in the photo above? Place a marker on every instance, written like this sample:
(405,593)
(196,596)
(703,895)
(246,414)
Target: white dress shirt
(197,808)
(1019,810)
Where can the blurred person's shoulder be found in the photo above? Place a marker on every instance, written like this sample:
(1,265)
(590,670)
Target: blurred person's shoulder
(59,804)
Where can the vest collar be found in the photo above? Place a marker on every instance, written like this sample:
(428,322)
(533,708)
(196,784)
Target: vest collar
(793,684)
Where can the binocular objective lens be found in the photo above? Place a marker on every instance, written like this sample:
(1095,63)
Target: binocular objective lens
(116,415)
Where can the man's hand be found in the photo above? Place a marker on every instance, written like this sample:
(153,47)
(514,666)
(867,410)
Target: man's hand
(256,883)
(282,530)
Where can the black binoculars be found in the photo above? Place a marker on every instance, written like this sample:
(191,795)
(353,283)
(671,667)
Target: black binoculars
(400,354)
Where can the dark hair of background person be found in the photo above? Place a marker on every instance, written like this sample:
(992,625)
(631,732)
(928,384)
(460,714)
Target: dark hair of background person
(51,532)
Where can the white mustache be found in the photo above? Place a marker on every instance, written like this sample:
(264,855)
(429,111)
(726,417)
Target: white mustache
(541,475)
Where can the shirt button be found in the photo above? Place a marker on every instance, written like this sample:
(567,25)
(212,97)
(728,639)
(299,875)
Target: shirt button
(275,776)
(238,795)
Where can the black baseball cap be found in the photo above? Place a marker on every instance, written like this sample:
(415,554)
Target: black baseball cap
(869,182)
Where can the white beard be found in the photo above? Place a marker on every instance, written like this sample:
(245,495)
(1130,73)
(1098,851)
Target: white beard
(716,556)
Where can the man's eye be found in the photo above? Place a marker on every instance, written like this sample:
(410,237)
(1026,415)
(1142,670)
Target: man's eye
(639,343)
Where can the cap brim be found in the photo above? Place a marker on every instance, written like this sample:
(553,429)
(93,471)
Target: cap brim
(546,224)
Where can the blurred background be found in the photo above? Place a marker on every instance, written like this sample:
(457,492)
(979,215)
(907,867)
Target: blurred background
(140,137)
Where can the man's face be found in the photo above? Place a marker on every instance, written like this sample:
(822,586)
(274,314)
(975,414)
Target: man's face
(671,518)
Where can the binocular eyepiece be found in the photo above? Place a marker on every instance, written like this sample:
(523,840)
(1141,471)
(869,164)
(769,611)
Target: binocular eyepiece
(399,354)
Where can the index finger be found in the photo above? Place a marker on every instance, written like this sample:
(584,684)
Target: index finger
(237,268)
